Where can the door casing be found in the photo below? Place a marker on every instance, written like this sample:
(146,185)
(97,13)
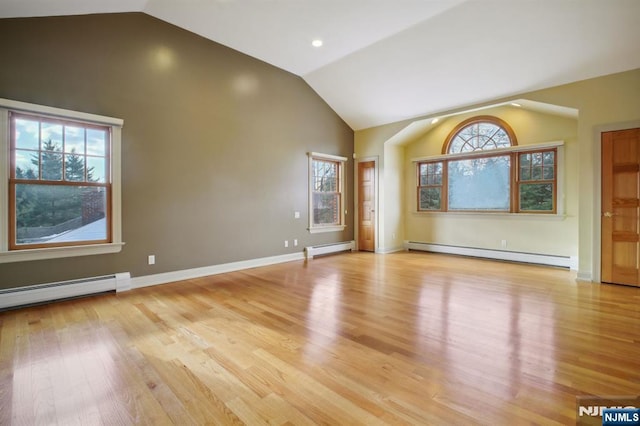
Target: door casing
(594,274)
(620,170)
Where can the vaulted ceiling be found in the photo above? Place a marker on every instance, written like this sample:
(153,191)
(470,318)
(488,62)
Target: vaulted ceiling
(387,60)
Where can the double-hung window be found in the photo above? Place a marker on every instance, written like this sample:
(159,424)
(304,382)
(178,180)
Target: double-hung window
(537,180)
(430,188)
(326,192)
(61,194)
(483,170)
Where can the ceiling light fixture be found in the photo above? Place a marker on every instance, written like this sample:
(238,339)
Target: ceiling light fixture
(316,43)
(515,104)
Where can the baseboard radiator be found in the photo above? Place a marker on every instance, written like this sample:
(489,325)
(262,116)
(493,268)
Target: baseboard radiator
(29,295)
(540,259)
(319,250)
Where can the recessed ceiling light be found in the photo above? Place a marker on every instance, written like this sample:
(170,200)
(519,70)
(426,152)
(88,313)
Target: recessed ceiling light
(316,43)
(435,120)
(515,104)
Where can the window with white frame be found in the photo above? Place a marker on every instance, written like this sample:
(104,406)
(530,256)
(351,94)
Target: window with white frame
(483,170)
(61,192)
(326,192)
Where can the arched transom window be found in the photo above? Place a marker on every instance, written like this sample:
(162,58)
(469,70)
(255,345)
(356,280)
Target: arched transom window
(479,134)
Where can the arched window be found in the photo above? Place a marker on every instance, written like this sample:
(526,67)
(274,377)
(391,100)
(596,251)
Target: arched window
(479,134)
(470,177)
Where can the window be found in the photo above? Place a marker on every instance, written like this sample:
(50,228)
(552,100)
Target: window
(480,183)
(469,177)
(62,195)
(326,192)
(537,181)
(479,134)
(59,182)
(430,189)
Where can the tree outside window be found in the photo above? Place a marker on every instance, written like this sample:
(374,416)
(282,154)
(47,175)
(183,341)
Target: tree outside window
(326,197)
(59,182)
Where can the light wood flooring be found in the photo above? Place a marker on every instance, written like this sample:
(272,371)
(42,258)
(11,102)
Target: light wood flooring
(359,338)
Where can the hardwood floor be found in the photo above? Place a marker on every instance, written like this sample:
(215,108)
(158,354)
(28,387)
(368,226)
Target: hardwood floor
(404,338)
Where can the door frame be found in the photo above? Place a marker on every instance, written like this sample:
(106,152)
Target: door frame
(596,269)
(356,212)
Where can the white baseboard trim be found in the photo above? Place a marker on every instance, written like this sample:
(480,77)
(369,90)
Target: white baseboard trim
(387,250)
(584,276)
(541,259)
(187,274)
(22,296)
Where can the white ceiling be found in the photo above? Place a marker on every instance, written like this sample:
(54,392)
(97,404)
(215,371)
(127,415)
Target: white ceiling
(389,60)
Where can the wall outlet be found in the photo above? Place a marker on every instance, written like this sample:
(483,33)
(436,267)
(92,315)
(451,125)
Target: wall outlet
(295,243)
(296,215)
(503,243)
(152,259)
(286,243)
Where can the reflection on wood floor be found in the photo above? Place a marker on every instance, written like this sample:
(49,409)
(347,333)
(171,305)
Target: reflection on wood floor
(404,338)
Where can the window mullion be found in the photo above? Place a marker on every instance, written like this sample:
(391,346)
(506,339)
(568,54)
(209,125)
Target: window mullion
(5,187)
(445,187)
(514,182)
